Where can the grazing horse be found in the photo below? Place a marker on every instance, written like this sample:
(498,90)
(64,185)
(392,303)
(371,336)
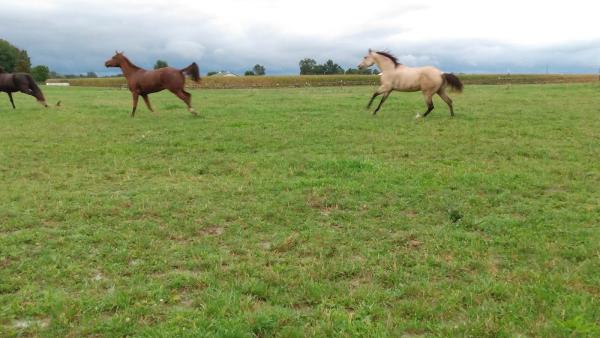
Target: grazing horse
(143,82)
(396,76)
(20,82)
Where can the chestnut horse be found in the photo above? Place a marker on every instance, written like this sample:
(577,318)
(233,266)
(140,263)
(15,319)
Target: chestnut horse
(396,76)
(20,82)
(143,82)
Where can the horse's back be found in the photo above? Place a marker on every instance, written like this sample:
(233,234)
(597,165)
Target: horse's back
(14,81)
(6,81)
(430,78)
(410,79)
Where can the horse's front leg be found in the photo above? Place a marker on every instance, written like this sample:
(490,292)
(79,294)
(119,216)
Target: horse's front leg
(11,99)
(385,96)
(372,98)
(379,91)
(135,102)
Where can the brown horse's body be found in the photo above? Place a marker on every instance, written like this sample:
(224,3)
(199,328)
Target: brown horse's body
(20,82)
(142,82)
(396,76)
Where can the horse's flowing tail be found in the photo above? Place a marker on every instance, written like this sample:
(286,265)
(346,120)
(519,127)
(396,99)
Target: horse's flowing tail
(193,71)
(453,81)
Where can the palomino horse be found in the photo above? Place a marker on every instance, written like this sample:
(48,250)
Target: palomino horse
(143,82)
(20,82)
(396,76)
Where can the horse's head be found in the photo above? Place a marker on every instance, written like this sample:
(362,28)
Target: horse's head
(115,61)
(367,61)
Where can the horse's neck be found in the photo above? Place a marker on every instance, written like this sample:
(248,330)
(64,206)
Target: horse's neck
(385,64)
(129,68)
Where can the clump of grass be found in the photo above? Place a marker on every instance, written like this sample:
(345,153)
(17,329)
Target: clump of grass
(454,215)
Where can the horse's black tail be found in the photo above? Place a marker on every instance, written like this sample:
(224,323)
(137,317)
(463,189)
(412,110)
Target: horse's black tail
(193,71)
(37,92)
(453,81)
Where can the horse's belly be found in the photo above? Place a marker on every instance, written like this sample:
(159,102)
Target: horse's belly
(153,89)
(407,87)
(146,88)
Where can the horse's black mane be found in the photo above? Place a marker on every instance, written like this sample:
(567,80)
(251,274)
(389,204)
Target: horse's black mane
(389,56)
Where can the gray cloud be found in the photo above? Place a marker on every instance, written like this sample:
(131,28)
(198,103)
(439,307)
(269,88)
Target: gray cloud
(71,37)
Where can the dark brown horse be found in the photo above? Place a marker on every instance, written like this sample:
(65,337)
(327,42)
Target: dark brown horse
(20,82)
(143,82)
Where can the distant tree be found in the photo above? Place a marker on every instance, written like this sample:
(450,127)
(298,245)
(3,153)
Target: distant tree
(310,66)
(9,56)
(249,73)
(258,70)
(332,68)
(53,75)
(160,64)
(23,62)
(365,71)
(211,73)
(40,73)
(318,70)
(307,66)
(91,74)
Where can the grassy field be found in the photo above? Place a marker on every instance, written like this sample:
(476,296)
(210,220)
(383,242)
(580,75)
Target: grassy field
(294,212)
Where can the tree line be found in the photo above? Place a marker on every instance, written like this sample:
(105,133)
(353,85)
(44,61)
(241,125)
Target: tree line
(310,67)
(13,59)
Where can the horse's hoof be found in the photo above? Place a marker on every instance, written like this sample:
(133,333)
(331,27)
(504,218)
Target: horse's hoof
(418,116)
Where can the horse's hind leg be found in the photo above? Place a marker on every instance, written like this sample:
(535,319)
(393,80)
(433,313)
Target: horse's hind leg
(187,98)
(429,102)
(11,100)
(447,99)
(145,97)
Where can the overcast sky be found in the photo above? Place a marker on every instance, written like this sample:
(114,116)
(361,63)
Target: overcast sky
(75,36)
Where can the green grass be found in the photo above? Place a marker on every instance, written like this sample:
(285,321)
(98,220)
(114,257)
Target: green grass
(294,212)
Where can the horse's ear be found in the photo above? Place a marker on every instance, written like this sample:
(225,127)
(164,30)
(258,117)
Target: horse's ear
(370,51)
